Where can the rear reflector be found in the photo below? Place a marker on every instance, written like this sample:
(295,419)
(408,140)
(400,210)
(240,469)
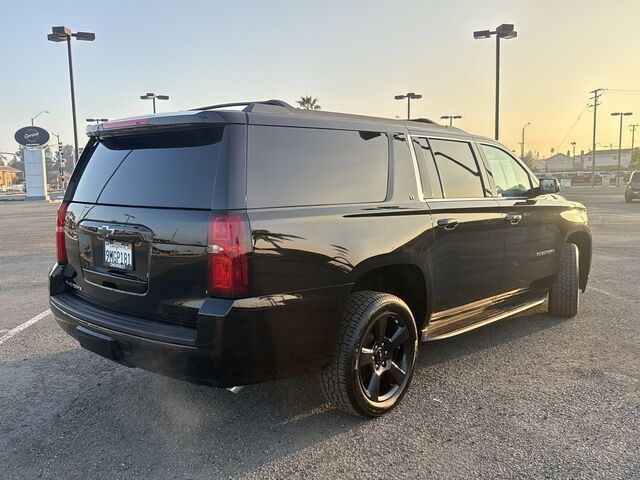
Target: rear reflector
(127,122)
(61,248)
(229,248)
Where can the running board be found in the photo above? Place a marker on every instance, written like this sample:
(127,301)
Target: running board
(482,323)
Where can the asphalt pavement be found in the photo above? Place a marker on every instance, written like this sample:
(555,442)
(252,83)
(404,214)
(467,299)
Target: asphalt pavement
(528,397)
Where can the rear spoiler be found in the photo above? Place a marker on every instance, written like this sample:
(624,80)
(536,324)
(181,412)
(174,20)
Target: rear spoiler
(165,120)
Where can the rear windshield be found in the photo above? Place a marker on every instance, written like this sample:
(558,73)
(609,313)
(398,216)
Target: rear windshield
(164,169)
(635,178)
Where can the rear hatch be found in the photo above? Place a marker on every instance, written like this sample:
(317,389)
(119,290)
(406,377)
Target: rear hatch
(137,220)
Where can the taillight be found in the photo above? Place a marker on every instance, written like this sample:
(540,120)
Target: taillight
(229,248)
(60,243)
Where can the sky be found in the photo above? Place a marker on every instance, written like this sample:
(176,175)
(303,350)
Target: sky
(353,55)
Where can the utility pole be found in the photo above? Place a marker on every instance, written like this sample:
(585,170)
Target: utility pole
(621,115)
(522,142)
(633,138)
(597,93)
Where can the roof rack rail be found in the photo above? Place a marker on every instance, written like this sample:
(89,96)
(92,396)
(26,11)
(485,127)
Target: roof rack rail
(423,120)
(277,103)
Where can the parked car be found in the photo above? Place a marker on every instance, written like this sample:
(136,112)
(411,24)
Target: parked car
(633,187)
(231,247)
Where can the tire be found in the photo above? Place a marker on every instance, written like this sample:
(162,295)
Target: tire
(628,198)
(564,294)
(377,343)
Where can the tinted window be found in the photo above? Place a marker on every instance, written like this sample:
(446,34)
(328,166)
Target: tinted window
(510,178)
(308,166)
(428,173)
(458,169)
(635,178)
(404,175)
(171,169)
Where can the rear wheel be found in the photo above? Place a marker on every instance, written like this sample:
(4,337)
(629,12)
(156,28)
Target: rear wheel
(375,356)
(564,294)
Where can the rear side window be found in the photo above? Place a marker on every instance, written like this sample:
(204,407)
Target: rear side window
(310,166)
(171,169)
(458,169)
(635,178)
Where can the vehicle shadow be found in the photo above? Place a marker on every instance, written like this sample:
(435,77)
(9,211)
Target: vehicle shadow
(70,413)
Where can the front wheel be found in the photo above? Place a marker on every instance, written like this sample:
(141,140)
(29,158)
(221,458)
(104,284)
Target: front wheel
(376,353)
(627,197)
(564,294)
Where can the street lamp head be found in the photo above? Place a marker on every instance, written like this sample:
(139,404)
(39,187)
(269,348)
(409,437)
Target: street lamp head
(52,37)
(626,114)
(61,31)
(400,97)
(145,97)
(482,34)
(86,36)
(162,97)
(457,117)
(504,29)
(509,35)
(444,117)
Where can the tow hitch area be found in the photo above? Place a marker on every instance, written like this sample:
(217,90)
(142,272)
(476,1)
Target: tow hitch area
(98,343)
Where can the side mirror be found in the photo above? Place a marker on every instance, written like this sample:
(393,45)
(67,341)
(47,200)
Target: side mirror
(549,185)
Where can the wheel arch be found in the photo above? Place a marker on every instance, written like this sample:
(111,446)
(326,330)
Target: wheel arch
(405,278)
(582,240)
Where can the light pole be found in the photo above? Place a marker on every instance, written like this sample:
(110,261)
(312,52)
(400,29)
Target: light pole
(33,118)
(154,97)
(507,32)
(573,145)
(409,96)
(621,115)
(522,141)
(97,120)
(62,34)
(451,118)
(633,137)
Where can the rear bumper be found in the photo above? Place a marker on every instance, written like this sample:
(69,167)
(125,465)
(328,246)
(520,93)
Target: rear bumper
(236,342)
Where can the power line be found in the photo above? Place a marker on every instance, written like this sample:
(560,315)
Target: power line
(572,127)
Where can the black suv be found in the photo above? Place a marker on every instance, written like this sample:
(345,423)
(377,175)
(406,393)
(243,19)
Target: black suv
(633,187)
(232,246)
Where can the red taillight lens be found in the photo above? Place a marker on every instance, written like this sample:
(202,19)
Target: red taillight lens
(61,248)
(229,248)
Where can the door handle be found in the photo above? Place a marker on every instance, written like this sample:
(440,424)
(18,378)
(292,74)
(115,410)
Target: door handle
(448,223)
(513,218)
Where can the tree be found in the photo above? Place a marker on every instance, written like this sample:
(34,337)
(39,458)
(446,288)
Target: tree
(308,103)
(635,159)
(18,162)
(530,159)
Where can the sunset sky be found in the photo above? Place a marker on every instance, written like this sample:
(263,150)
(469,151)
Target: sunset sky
(354,56)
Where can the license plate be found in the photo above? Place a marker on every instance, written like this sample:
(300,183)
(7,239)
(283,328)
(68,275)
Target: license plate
(118,255)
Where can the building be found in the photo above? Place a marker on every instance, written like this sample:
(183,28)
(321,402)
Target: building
(559,162)
(7,174)
(606,159)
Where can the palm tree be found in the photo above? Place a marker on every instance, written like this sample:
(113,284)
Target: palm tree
(308,103)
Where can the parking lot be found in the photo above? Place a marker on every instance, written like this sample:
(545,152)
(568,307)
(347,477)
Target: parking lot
(532,396)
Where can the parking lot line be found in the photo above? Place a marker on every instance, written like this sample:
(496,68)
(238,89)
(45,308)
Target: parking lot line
(14,331)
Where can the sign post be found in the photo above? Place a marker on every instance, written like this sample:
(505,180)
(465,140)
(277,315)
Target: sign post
(35,174)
